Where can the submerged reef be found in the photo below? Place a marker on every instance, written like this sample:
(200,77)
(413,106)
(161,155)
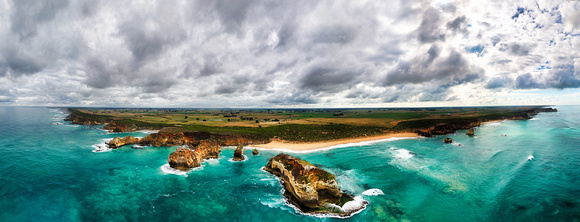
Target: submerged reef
(311,189)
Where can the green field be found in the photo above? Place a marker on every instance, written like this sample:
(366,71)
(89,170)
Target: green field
(300,125)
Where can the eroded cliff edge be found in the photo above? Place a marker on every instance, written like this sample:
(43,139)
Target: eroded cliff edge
(311,189)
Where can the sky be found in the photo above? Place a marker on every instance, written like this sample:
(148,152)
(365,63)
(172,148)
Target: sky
(236,54)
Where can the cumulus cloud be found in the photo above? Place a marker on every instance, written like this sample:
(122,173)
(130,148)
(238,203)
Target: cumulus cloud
(284,53)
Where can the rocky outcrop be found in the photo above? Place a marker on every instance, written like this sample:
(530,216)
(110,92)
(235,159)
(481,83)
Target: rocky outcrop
(186,138)
(114,127)
(255,152)
(310,188)
(184,158)
(239,154)
(448,140)
(430,127)
(471,132)
(118,142)
(447,127)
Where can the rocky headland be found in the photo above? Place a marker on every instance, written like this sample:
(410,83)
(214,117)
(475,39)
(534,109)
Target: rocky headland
(310,188)
(431,127)
(192,139)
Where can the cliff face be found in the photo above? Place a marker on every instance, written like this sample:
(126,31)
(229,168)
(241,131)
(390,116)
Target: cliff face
(188,138)
(185,158)
(308,187)
(462,124)
(79,120)
(115,127)
(446,128)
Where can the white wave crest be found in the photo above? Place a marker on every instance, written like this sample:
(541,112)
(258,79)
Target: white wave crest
(244,160)
(495,123)
(101,147)
(454,143)
(402,153)
(168,170)
(373,192)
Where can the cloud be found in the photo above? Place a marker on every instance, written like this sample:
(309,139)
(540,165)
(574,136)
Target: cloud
(284,53)
(429,29)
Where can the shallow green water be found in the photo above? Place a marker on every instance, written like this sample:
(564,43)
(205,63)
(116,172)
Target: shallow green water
(48,172)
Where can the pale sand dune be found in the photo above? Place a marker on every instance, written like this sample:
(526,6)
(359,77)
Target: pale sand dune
(319,145)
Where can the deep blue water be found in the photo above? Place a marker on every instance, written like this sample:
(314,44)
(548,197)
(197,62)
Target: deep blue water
(48,172)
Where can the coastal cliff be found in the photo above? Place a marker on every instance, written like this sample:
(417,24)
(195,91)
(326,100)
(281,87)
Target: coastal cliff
(430,127)
(82,120)
(161,139)
(310,188)
(184,158)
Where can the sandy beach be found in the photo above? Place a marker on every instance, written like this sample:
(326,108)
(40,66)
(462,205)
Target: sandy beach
(319,145)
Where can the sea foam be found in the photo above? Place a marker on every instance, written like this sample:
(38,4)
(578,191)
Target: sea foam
(402,153)
(373,192)
(168,170)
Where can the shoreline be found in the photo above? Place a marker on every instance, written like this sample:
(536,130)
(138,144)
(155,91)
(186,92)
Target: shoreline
(314,146)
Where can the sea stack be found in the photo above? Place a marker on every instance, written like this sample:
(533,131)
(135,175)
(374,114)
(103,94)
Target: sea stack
(448,140)
(255,152)
(312,189)
(239,153)
(184,158)
(471,132)
(118,142)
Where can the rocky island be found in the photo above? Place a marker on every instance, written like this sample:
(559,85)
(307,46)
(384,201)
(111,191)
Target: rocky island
(184,158)
(311,189)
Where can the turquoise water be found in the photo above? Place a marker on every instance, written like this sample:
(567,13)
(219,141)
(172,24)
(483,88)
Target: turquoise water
(48,172)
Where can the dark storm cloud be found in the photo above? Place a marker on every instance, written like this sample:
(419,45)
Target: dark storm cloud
(498,82)
(527,81)
(559,77)
(328,78)
(429,29)
(433,53)
(19,62)
(211,65)
(101,75)
(231,14)
(146,42)
(563,76)
(453,68)
(458,23)
(29,13)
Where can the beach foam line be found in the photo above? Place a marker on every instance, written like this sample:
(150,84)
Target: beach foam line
(359,144)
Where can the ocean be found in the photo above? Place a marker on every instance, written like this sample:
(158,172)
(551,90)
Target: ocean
(49,172)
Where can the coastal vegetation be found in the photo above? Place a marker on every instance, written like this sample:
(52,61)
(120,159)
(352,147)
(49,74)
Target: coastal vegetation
(299,125)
